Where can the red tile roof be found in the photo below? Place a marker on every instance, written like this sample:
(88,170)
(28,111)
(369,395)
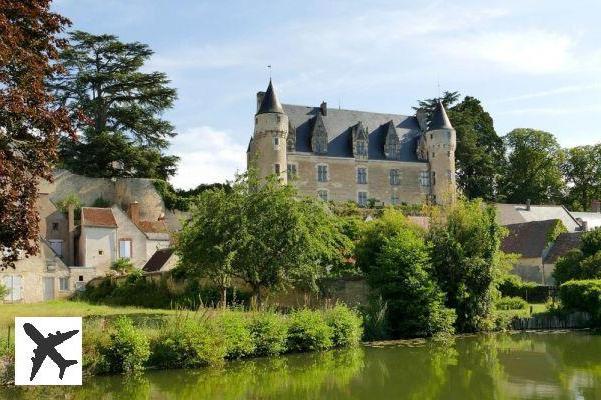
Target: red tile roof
(152,226)
(103,217)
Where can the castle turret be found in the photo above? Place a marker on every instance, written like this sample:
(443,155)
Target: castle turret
(440,144)
(267,148)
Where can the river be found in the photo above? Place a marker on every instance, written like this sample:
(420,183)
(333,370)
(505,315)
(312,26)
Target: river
(545,365)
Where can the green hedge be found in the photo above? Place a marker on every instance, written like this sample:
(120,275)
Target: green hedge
(189,341)
(513,286)
(584,295)
(511,303)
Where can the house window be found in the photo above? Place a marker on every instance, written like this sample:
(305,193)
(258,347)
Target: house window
(57,247)
(291,171)
(362,199)
(394,199)
(322,195)
(361,175)
(125,248)
(63,284)
(322,173)
(13,285)
(424,178)
(55,226)
(80,278)
(276,169)
(100,252)
(395,177)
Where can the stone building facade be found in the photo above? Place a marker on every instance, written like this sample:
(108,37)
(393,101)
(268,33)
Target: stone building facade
(346,155)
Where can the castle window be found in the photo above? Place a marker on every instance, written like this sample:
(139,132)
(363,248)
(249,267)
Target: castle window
(291,171)
(433,178)
(362,175)
(276,143)
(362,198)
(395,177)
(433,154)
(276,169)
(322,195)
(361,148)
(394,199)
(322,173)
(55,226)
(424,178)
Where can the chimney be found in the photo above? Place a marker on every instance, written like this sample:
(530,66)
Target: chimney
(133,212)
(527,204)
(324,108)
(596,206)
(71,234)
(584,225)
(260,96)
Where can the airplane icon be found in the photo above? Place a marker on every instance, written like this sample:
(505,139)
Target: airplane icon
(46,348)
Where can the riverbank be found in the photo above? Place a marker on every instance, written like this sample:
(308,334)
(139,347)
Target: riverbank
(207,337)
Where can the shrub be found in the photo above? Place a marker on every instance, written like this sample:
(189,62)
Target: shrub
(270,332)
(123,266)
(235,328)
(101,202)
(127,349)
(513,286)
(583,295)
(186,342)
(346,325)
(308,331)
(511,303)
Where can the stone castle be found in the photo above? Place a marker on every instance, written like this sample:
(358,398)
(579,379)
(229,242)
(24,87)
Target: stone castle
(346,155)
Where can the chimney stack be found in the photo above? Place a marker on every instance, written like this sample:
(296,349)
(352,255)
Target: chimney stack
(324,108)
(133,212)
(527,204)
(596,206)
(584,226)
(260,96)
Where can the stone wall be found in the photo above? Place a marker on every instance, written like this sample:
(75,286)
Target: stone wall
(342,183)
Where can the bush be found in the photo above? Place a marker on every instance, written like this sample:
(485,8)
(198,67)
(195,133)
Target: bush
(346,324)
(511,303)
(123,265)
(235,328)
(308,331)
(188,343)
(270,332)
(127,349)
(101,202)
(583,295)
(513,286)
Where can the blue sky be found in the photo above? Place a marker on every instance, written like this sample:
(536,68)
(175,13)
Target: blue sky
(532,63)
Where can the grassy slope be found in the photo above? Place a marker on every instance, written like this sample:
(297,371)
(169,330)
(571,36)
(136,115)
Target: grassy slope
(63,308)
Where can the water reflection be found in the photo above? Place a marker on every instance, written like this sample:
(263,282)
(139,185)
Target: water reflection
(506,366)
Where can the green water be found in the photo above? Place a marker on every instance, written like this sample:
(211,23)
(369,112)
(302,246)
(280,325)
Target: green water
(560,365)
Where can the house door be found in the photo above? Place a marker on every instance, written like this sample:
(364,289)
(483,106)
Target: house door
(48,288)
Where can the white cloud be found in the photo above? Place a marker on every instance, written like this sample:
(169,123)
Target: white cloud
(207,155)
(531,51)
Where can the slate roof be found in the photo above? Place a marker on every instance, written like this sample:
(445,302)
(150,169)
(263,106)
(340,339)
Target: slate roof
(517,213)
(440,120)
(593,219)
(270,102)
(158,260)
(101,217)
(564,243)
(528,238)
(338,124)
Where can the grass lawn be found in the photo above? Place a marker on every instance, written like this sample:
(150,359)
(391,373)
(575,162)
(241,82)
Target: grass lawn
(537,308)
(65,308)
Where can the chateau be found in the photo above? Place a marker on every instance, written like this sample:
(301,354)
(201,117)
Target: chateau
(345,155)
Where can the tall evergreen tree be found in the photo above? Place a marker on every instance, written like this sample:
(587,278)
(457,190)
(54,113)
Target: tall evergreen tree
(480,150)
(533,168)
(122,132)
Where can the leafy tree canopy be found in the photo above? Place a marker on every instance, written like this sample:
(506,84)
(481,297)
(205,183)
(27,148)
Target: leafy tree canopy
(582,171)
(582,263)
(122,132)
(30,124)
(533,168)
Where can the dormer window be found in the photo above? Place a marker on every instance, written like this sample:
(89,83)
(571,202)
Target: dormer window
(392,146)
(360,144)
(319,136)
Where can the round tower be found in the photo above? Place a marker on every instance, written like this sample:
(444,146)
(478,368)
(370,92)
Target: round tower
(441,143)
(267,148)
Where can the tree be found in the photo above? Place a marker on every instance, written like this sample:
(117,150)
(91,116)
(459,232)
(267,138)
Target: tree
(582,263)
(29,123)
(262,233)
(123,266)
(479,148)
(447,98)
(465,251)
(533,168)
(395,260)
(582,171)
(123,133)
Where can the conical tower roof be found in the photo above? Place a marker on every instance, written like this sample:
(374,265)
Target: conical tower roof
(270,102)
(440,120)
